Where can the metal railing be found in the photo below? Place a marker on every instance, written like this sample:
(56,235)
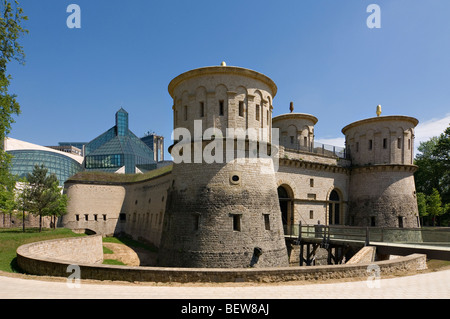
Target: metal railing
(319,148)
(419,236)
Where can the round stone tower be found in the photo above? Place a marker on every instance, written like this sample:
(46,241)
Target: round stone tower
(222,208)
(382,190)
(296,130)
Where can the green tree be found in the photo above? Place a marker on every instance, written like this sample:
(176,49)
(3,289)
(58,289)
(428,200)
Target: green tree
(434,173)
(441,153)
(11,17)
(22,199)
(58,207)
(434,205)
(7,193)
(430,171)
(422,205)
(43,196)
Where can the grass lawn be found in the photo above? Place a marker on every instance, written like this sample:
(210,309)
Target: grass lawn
(12,238)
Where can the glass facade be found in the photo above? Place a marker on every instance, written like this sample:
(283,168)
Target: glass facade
(119,147)
(23,162)
(122,122)
(104,161)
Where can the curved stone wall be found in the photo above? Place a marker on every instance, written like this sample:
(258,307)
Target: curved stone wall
(51,258)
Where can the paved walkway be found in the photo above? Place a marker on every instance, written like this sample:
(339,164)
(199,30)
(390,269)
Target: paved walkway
(421,286)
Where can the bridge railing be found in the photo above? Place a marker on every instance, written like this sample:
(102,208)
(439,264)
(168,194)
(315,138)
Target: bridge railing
(435,236)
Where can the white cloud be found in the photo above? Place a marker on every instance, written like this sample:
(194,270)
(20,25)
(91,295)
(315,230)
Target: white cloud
(434,127)
(336,141)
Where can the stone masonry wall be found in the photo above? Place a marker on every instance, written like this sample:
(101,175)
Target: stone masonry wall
(33,259)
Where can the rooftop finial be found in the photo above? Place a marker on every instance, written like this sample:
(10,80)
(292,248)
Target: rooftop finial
(291,107)
(378,110)
(223,63)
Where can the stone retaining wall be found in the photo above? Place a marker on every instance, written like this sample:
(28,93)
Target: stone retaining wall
(42,259)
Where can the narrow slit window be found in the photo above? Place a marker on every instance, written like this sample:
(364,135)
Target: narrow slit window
(400,222)
(257,112)
(384,143)
(237,222)
(370,144)
(196,221)
(267,221)
(241,108)
(221,107)
(185,112)
(202,109)
(399,143)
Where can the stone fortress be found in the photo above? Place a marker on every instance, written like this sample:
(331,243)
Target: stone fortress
(234,212)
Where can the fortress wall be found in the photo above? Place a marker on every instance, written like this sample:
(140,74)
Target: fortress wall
(381,140)
(87,200)
(144,208)
(298,176)
(206,204)
(231,85)
(136,209)
(286,153)
(383,194)
(33,260)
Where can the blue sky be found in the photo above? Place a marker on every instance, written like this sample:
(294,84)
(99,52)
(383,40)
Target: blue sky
(320,53)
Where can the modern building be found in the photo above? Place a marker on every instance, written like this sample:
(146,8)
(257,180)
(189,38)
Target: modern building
(77,145)
(119,150)
(156,144)
(27,155)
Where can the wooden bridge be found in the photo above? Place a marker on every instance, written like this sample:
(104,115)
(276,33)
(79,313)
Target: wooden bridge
(342,241)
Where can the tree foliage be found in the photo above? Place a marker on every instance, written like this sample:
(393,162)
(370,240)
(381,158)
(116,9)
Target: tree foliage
(11,17)
(43,195)
(433,177)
